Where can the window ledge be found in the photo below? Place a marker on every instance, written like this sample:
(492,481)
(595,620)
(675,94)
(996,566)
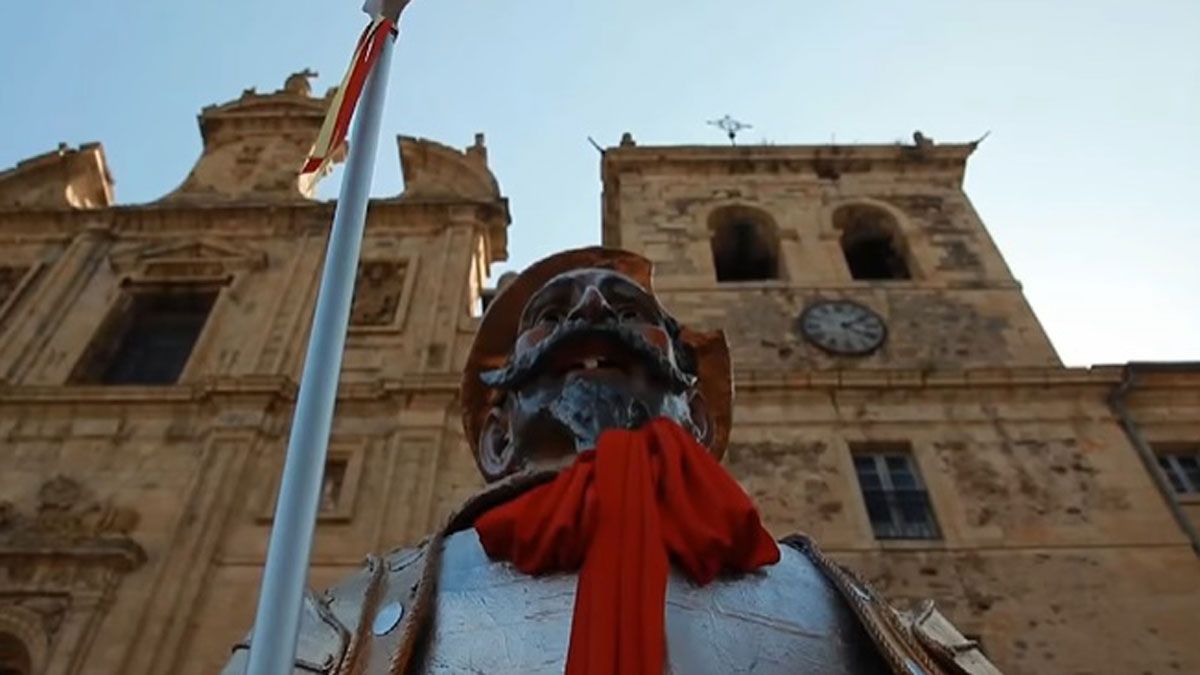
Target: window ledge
(758,283)
(911,544)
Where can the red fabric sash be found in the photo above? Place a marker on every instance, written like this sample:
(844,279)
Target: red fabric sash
(618,514)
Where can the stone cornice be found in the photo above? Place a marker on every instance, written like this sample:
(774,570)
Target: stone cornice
(938,379)
(122,555)
(893,152)
(260,389)
(245,219)
(819,162)
(257,388)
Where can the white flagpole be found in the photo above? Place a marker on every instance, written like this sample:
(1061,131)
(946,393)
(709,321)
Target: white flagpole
(277,622)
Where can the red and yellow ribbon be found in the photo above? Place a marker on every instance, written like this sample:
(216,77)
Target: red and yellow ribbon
(341,110)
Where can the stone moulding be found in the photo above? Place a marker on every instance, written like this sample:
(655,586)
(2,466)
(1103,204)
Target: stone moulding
(285,388)
(190,258)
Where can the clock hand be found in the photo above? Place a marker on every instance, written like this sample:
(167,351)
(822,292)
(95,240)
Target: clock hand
(863,332)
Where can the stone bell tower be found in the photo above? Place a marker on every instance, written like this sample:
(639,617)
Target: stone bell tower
(752,237)
(897,399)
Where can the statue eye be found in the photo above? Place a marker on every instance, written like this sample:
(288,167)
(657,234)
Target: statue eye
(550,316)
(629,314)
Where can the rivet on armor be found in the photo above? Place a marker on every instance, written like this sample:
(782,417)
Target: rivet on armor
(388,617)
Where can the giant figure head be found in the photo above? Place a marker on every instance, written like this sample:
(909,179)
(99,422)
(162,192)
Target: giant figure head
(577,344)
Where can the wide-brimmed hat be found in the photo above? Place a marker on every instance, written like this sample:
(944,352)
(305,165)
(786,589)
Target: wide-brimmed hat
(499,326)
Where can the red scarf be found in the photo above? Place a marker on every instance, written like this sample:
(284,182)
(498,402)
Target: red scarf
(619,513)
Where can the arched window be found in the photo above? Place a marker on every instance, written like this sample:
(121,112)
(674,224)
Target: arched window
(745,244)
(871,243)
(14,656)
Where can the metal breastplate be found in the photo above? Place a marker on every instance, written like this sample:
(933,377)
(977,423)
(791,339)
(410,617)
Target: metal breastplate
(491,618)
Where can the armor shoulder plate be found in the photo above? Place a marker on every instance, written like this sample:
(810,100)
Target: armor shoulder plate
(322,641)
(941,639)
(335,626)
(923,641)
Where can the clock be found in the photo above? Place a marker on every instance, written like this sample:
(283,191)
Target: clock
(842,327)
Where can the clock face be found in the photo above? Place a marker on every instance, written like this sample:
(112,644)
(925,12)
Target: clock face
(843,327)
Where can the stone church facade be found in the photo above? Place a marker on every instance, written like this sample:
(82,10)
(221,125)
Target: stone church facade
(896,396)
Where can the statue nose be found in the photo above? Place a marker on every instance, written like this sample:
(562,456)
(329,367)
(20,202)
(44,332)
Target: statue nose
(592,307)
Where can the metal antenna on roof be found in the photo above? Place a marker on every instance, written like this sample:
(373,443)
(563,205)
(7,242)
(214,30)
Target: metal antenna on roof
(730,126)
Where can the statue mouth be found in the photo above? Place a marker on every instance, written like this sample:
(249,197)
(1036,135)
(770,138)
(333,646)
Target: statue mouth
(578,349)
(597,357)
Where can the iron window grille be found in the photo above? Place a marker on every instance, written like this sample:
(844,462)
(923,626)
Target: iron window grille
(1182,469)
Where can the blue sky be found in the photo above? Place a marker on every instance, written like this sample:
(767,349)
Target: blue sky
(1088,181)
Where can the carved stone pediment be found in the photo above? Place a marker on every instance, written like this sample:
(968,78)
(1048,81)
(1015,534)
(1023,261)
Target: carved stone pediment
(254,147)
(75,178)
(439,172)
(187,259)
(66,541)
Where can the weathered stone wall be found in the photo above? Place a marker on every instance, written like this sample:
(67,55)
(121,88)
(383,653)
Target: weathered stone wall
(927,328)
(1046,609)
(1054,537)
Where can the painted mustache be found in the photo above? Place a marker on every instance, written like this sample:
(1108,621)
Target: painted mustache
(527,366)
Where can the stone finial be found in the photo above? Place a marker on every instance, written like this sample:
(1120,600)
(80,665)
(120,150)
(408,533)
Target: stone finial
(627,140)
(298,83)
(479,149)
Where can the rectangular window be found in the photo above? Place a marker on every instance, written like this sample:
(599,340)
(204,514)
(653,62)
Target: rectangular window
(149,340)
(331,485)
(13,282)
(10,281)
(1182,469)
(896,500)
(339,484)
